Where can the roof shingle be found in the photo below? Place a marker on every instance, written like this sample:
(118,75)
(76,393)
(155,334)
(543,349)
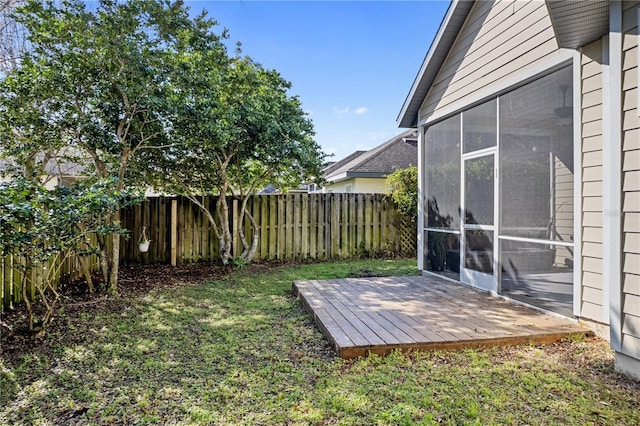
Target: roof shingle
(397,153)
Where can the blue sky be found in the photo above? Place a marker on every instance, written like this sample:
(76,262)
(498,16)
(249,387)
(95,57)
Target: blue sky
(351,63)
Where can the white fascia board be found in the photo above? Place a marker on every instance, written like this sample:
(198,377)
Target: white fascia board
(429,64)
(338,178)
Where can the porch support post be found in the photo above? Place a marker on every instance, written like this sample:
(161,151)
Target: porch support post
(421,196)
(611,180)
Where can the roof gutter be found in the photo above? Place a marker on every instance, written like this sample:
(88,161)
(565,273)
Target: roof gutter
(350,175)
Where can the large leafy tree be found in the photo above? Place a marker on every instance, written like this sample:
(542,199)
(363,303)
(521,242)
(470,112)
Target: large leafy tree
(139,90)
(240,130)
(99,86)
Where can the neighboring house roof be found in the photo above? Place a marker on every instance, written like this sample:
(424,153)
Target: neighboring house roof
(340,164)
(4,164)
(58,165)
(268,190)
(575,23)
(64,168)
(396,153)
(272,190)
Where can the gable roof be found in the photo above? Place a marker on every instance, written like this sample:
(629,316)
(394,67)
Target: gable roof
(341,163)
(445,37)
(575,24)
(397,153)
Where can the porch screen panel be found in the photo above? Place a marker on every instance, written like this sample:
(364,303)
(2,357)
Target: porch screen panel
(536,192)
(442,254)
(442,248)
(479,250)
(536,159)
(479,127)
(443,174)
(538,274)
(478,176)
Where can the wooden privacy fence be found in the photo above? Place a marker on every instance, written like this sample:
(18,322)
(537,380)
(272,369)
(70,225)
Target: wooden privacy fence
(291,226)
(59,268)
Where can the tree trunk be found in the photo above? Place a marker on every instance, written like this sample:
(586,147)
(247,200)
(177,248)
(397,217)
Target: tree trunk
(25,298)
(115,257)
(104,259)
(249,251)
(86,272)
(222,212)
(255,240)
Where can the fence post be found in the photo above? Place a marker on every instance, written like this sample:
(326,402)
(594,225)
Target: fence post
(174,232)
(235,218)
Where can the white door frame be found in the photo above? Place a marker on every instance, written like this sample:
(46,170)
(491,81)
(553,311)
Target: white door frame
(480,280)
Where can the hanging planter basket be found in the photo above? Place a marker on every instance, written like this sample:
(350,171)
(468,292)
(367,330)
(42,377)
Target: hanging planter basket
(143,241)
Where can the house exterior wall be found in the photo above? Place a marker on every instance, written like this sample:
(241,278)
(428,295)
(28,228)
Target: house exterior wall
(630,197)
(50,182)
(358,185)
(339,187)
(499,41)
(591,75)
(370,185)
(505,43)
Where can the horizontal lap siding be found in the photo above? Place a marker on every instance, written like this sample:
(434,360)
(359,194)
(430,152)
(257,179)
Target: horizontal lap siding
(591,306)
(630,183)
(498,39)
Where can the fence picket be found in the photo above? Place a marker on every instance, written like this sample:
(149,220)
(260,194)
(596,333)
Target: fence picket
(273,251)
(313,225)
(344,226)
(262,252)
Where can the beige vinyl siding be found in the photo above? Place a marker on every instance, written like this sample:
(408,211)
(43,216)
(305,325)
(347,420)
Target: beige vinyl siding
(630,183)
(498,39)
(591,90)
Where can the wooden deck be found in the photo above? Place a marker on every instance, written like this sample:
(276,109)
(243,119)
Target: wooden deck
(378,315)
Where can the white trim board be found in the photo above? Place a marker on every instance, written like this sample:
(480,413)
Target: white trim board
(577,183)
(612,180)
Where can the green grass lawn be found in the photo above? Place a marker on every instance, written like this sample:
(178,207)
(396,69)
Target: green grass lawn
(241,350)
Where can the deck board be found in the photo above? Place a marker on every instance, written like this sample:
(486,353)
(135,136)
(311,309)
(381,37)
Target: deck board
(378,315)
